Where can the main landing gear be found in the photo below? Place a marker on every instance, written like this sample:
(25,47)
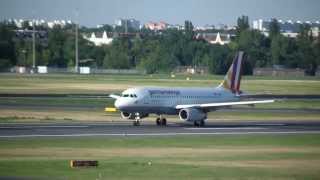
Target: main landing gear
(200,123)
(161,121)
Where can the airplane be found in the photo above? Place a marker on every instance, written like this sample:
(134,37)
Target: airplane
(190,104)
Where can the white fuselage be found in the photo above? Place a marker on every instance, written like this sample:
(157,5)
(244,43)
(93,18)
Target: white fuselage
(160,100)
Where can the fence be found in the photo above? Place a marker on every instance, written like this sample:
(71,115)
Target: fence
(82,70)
(278,72)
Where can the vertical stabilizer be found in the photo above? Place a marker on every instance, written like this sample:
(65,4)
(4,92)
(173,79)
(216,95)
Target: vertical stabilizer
(233,77)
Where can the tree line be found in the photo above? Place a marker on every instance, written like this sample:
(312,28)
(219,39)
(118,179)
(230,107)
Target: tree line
(162,51)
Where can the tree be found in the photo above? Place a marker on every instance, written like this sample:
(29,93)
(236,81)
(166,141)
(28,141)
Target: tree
(316,48)
(256,46)
(25,25)
(7,54)
(219,61)
(278,50)
(274,28)
(307,56)
(117,55)
(116,60)
(56,46)
(242,24)
(188,29)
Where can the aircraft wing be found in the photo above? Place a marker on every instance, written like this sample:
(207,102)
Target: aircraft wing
(222,104)
(114,96)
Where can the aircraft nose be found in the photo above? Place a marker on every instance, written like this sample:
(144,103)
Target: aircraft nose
(120,104)
(117,104)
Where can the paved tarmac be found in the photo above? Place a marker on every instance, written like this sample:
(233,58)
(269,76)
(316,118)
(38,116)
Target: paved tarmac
(148,128)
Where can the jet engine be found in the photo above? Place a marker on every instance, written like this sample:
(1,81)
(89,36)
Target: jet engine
(126,115)
(192,114)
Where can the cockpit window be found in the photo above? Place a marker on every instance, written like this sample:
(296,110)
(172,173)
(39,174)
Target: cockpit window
(129,95)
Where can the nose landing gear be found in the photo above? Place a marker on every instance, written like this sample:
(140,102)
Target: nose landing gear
(136,121)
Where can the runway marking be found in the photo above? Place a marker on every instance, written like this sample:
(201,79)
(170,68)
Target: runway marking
(62,126)
(270,124)
(23,127)
(158,134)
(224,128)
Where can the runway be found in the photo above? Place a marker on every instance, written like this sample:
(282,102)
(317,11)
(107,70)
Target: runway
(29,130)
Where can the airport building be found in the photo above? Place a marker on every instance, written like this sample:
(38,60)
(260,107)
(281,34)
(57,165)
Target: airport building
(40,22)
(287,28)
(99,38)
(215,38)
(129,23)
(156,25)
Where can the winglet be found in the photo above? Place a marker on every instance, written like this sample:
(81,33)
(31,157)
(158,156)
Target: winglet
(233,77)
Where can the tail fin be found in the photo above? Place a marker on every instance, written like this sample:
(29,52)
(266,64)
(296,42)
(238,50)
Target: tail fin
(233,77)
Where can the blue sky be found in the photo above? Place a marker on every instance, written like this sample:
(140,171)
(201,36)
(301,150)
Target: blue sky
(200,12)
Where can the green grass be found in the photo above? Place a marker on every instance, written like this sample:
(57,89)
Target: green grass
(139,169)
(57,83)
(28,109)
(291,104)
(76,116)
(179,157)
(156,142)
(61,108)
(57,101)
(104,102)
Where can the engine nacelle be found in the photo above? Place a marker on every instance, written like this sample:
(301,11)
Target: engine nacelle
(192,114)
(126,115)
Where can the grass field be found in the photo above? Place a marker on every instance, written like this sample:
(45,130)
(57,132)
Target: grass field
(180,157)
(55,83)
(26,109)
(104,102)
(92,108)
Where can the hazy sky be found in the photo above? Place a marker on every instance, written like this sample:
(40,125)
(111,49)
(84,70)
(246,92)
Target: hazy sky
(200,12)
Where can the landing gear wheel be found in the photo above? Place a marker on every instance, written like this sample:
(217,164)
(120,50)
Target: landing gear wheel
(136,123)
(161,121)
(202,123)
(164,122)
(199,123)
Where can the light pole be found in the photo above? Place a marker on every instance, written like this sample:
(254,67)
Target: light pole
(76,44)
(24,52)
(76,50)
(33,47)
(33,43)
